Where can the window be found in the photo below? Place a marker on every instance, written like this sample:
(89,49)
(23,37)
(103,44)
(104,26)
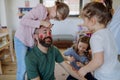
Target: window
(74,5)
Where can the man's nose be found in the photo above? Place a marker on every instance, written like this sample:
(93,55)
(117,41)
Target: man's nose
(49,33)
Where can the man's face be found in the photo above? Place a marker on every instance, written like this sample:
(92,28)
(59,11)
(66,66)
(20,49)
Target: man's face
(45,37)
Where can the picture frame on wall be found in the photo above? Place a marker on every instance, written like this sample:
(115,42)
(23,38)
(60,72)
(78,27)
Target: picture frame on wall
(22,11)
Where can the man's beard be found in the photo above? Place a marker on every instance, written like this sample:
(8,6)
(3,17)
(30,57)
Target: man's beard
(45,43)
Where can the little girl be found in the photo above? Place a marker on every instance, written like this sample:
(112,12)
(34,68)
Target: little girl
(78,56)
(104,61)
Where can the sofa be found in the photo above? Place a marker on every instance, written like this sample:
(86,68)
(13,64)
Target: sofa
(63,40)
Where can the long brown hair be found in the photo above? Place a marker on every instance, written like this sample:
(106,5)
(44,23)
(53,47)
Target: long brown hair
(83,39)
(108,4)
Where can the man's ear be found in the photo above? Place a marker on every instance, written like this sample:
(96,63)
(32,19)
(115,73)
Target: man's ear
(35,36)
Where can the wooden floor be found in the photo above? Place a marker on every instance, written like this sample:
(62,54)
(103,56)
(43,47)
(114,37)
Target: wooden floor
(9,70)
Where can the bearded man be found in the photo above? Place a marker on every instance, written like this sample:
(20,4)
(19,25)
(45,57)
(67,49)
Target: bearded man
(40,60)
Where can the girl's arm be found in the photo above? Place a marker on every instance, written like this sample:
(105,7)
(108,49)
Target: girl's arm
(70,58)
(35,17)
(80,64)
(96,62)
(72,72)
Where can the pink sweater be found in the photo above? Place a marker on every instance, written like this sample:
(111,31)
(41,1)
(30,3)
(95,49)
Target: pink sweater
(29,22)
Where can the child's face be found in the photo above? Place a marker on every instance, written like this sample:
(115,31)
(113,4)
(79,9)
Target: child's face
(89,23)
(82,47)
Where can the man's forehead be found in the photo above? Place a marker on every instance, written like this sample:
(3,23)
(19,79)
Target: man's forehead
(44,28)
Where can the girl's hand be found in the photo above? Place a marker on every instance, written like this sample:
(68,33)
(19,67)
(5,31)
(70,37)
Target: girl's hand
(79,64)
(46,23)
(82,72)
(71,58)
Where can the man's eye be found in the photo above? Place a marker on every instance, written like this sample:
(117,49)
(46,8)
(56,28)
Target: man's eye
(49,33)
(45,32)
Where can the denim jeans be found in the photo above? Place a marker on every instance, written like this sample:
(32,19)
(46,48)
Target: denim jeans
(20,50)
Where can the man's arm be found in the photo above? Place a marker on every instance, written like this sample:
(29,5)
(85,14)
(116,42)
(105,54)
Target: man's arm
(72,72)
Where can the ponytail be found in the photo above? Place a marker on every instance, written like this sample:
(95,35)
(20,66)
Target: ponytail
(97,9)
(62,8)
(108,4)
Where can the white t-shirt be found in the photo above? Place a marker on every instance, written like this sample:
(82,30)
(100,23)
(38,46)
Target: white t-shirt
(103,40)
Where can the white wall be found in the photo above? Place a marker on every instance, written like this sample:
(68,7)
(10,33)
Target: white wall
(12,11)
(116,4)
(0,18)
(69,26)
(85,2)
(0,12)
(3,13)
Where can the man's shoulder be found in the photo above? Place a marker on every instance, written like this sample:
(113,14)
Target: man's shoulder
(54,47)
(31,52)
